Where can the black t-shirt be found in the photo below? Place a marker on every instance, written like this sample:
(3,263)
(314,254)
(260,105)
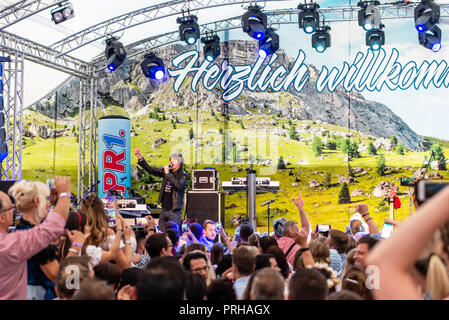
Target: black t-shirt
(167,198)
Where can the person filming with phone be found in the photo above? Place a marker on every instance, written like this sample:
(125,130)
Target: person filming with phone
(173,185)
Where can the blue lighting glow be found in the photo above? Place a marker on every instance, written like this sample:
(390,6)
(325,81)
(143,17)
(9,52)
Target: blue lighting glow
(368,26)
(436,47)
(262,53)
(159,75)
(420,28)
(309,29)
(111,67)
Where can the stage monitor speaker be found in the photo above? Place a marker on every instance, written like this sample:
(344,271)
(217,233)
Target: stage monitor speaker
(5,185)
(203,205)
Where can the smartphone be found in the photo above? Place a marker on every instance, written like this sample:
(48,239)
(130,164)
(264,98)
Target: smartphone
(141,222)
(237,233)
(51,183)
(218,227)
(111,198)
(387,229)
(426,189)
(323,228)
(112,217)
(184,227)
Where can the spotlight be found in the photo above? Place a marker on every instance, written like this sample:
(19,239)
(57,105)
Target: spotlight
(321,39)
(431,39)
(427,14)
(368,16)
(153,67)
(254,22)
(62,13)
(269,44)
(211,48)
(308,17)
(375,39)
(189,30)
(115,53)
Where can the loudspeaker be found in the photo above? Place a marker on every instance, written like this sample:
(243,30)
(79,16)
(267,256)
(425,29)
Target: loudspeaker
(203,205)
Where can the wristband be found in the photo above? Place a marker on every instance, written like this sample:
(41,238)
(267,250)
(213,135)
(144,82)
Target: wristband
(74,251)
(77,244)
(65,194)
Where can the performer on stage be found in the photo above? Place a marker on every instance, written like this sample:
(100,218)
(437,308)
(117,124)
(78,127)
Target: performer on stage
(172,190)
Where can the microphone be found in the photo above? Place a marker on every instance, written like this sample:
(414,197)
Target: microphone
(268,202)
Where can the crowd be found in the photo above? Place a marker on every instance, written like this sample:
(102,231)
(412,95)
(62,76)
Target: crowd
(58,252)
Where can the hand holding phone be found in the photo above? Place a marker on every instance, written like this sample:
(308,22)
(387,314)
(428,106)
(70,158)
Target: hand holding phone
(141,222)
(112,217)
(218,227)
(387,229)
(237,233)
(184,227)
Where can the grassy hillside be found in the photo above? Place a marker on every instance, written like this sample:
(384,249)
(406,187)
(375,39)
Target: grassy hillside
(321,203)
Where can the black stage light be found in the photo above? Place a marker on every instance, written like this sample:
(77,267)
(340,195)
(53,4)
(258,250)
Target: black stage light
(153,67)
(427,14)
(115,53)
(63,12)
(431,39)
(269,44)
(367,18)
(189,30)
(321,39)
(308,17)
(375,39)
(211,48)
(254,22)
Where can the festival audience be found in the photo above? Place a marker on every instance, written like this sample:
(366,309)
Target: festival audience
(295,264)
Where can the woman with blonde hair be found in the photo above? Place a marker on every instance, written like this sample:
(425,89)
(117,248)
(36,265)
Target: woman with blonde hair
(103,244)
(31,200)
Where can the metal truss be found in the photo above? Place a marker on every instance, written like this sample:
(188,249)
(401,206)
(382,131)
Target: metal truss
(275,17)
(138,17)
(87,136)
(24,9)
(13,79)
(43,55)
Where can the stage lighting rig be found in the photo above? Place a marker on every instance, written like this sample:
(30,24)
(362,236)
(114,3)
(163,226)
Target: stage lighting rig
(115,53)
(431,39)
(427,14)
(153,67)
(269,44)
(369,15)
(308,17)
(189,30)
(254,22)
(375,39)
(211,48)
(63,12)
(321,39)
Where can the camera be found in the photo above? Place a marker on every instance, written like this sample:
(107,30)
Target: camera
(425,189)
(323,229)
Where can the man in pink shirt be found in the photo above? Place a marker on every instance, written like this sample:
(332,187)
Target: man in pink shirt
(17,247)
(286,242)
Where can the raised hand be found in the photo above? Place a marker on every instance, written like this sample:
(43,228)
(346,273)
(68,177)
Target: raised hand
(62,184)
(137,153)
(299,202)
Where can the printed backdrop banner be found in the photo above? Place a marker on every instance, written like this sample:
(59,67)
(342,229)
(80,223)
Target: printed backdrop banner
(114,161)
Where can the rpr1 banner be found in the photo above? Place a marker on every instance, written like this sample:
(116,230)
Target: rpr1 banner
(114,161)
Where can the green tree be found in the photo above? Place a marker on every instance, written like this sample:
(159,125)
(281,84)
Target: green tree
(439,156)
(212,113)
(191,133)
(317,146)
(328,179)
(394,140)
(381,166)
(174,125)
(281,164)
(350,148)
(400,149)
(190,119)
(234,153)
(290,122)
(331,145)
(372,149)
(344,196)
(292,133)
(221,130)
